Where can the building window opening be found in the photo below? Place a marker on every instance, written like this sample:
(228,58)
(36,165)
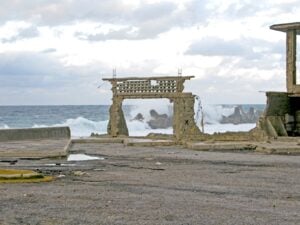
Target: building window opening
(145,116)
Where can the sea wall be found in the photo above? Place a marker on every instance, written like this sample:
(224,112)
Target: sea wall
(35,133)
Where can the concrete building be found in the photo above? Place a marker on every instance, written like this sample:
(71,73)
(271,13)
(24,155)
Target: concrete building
(282,114)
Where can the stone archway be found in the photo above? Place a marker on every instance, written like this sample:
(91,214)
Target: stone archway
(170,87)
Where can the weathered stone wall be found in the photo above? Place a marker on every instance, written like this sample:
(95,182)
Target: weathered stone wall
(183,121)
(117,123)
(153,87)
(255,134)
(35,133)
(280,116)
(273,120)
(278,104)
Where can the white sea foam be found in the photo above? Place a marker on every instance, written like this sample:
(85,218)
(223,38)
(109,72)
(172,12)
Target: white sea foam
(80,126)
(39,126)
(212,114)
(147,131)
(220,128)
(137,126)
(161,106)
(84,127)
(4,126)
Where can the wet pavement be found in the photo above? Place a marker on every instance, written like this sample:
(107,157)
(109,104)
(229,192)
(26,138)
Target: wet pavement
(156,185)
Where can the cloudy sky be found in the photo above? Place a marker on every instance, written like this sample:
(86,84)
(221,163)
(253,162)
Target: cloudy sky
(58,51)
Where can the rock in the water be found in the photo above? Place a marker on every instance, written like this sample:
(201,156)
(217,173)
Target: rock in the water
(139,117)
(155,114)
(159,121)
(239,116)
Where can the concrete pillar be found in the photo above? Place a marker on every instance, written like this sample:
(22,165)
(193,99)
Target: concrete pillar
(291,60)
(183,119)
(117,123)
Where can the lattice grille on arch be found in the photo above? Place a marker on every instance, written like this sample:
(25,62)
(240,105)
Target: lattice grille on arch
(146,86)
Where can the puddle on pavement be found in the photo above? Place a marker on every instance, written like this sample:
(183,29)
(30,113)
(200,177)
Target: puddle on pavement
(82,157)
(59,164)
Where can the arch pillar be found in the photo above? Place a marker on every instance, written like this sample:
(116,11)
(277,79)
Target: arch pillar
(117,123)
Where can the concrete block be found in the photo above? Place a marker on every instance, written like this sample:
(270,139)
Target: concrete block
(147,142)
(35,142)
(34,133)
(221,146)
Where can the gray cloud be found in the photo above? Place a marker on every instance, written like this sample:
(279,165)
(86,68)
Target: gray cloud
(25,33)
(27,63)
(121,34)
(215,89)
(214,46)
(244,47)
(234,87)
(42,76)
(40,70)
(148,12)
(48,50)
(39,78)
(149,19)
(27,69)
(57,12)
(243,9)
(239,10)
(289,7)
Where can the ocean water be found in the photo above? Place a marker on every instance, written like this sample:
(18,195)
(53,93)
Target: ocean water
(85,119)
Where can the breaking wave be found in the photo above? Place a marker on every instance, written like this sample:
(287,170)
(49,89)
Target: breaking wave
(82,127)
(214,113)
(4,126)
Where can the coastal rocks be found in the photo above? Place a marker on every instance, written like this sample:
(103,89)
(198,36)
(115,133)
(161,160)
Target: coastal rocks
(139,117)
(157,121)
(240,116)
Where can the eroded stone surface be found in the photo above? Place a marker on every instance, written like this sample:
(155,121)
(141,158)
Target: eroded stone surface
(154,87)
